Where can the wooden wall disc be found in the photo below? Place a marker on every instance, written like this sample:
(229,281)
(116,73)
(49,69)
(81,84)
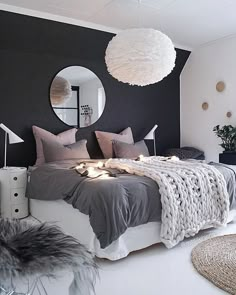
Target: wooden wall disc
(229,114)
(205,106)
(220,86)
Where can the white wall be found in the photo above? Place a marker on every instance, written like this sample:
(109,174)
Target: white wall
(89,95)
(204,68)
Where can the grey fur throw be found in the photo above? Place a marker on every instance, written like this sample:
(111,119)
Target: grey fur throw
(43,249)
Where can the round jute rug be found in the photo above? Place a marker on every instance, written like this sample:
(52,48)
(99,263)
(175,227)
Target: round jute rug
(215,259)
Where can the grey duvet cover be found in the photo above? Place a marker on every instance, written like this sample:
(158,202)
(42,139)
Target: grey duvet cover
(113,204)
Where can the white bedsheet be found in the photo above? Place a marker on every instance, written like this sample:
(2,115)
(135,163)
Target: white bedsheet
(75,223)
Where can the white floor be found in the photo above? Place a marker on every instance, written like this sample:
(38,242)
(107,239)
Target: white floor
(152,271)
(159,271)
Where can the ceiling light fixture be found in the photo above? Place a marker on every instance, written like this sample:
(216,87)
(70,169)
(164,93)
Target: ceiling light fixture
(60,91)
(140,56)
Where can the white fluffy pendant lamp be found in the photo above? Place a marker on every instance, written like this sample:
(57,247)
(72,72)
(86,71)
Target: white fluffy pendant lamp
(60,91)
(140,56)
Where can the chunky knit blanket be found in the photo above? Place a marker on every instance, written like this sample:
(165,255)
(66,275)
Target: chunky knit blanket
(193,194)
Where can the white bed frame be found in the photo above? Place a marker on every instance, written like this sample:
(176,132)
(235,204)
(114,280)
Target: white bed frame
(77,224)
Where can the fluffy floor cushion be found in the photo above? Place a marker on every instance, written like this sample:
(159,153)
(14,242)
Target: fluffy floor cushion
(43,250)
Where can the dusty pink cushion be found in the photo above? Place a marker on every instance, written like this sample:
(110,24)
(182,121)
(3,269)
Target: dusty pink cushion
(65,138)
(105,140)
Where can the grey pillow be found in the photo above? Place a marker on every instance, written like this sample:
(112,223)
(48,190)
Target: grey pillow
(185,153)
(133,150)
(55,151)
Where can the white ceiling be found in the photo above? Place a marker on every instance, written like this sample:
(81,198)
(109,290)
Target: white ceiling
(189,23)
(77,75)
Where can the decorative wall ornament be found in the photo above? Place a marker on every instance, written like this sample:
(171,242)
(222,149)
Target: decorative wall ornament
(205,106)
(229,114)
(82,86)
(140,56)
(220,86)
(60,91)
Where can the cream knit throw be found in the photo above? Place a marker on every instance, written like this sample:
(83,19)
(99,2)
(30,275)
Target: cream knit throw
(193,194)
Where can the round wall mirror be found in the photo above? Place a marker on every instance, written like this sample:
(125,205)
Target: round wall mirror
(77,96)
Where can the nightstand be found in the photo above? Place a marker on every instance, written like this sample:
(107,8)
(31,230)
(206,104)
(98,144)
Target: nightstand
(13,182)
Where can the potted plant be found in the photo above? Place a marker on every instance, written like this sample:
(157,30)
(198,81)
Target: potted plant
(227,134)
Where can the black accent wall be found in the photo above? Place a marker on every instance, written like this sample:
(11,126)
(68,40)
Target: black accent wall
(33,50)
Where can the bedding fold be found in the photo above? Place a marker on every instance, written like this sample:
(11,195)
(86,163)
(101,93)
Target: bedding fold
(112,204)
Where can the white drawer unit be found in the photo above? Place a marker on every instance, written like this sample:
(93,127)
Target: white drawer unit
(13,182)
(18,178)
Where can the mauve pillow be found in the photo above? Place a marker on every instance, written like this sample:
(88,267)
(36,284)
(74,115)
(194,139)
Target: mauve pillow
(54,151)
(105,140)
(66,137)
(126,150)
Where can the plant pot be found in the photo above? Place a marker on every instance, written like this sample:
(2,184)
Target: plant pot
(229,152)
(228,157)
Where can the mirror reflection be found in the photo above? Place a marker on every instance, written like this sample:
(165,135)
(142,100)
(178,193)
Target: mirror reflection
(77,96)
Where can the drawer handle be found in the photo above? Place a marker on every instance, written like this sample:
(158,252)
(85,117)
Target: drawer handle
(16,194)
(15,178)
(16,210)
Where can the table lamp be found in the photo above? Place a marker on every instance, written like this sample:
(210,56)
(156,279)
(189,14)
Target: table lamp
(13,138)
(151,135)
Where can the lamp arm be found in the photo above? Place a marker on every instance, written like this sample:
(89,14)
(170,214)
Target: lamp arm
(5,151)
(154,143)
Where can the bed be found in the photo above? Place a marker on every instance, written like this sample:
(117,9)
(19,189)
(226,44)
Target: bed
(58,193)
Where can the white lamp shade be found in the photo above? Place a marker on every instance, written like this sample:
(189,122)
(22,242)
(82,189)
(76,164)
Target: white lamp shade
(13,138)
(60,91)
(140,56)
(150,134)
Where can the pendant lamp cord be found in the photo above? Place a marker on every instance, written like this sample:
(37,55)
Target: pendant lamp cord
(140,17)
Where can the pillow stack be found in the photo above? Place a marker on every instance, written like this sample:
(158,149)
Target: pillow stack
(63,146)
(120,145)
(50,147)
(105,140)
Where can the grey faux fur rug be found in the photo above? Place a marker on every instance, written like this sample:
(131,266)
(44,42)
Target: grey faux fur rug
(43,249)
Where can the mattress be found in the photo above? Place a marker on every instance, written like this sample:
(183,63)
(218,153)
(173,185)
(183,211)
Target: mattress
(77,224)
